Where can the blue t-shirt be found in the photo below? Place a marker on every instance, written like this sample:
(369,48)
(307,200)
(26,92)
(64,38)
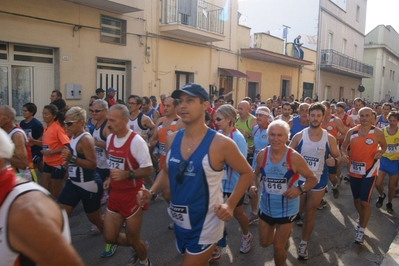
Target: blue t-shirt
(34,129)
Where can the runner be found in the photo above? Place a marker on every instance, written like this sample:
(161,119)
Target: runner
(382,120)
(320,150)
(287,113)
(129,162)
(279,168)
(139,123)
(389,162)
(196,157)
(300,122)
(363,140)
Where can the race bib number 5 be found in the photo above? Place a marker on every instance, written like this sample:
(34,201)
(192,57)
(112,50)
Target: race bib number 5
(275,186)
(358,168)
(180,215)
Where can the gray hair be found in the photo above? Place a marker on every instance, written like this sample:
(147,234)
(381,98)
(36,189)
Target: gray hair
(280,123)
(122,109)
(102,103)
(77,113)
(9,111)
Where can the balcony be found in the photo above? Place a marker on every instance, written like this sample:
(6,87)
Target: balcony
(333,61)
(117,6)
(193,19)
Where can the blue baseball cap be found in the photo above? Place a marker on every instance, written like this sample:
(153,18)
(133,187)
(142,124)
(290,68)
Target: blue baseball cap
(111,90)
(192,89)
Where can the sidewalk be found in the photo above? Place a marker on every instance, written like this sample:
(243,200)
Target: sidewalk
(392,256)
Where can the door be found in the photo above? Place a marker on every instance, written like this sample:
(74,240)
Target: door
(307,90)
(112,78)
(285,88)
(253,90)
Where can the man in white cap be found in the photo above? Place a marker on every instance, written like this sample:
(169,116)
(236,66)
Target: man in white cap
(21,201)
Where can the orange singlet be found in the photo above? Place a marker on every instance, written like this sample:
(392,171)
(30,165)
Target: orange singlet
(162,134)
(330,127)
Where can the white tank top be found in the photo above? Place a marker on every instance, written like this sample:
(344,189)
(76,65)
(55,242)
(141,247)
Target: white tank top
(101,154)
(24,172)
(136,125)
(7,255)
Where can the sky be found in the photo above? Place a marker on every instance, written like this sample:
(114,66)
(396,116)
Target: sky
(382,12)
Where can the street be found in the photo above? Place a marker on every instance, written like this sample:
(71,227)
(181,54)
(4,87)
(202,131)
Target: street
(331,243)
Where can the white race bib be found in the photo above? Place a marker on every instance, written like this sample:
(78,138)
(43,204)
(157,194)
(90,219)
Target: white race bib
(116,162)
(275,186)
(312,162)
(99,152)
(45,147)
(358,168)
(180,216)
(392,148)
(162,149)
(72,170)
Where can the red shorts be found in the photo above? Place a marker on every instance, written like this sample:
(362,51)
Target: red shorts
(123,202)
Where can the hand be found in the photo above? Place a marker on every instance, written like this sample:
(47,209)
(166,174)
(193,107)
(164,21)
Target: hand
(345,158)
(46,152)
(106,183)
(330,161)
(143,196)
(292,193)
(378,155)
(66,154)
(30,139)
(222,212)
(253,192)
(118,175)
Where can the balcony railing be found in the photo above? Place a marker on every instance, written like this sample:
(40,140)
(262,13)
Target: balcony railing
(334,59)
(197,14)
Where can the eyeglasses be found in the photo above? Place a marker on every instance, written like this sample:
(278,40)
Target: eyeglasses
(219,119)
(182,169)
(69,123)
(130,103)
(96,111)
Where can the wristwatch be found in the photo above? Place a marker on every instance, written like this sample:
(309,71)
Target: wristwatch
(153,195)
(302,188)
(131,174)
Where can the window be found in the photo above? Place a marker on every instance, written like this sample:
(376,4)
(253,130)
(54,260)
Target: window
(343,46)
(330,40)
(113,30)
(355,51)
(182,78)
(357,13)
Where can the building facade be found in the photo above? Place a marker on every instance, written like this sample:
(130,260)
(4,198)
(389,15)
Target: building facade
(381,50)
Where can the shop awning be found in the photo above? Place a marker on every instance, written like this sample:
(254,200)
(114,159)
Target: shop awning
(232,72)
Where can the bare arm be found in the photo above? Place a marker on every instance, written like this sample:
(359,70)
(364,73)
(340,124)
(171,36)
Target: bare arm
(295,140)
(345,145)
(334,157)
(101,143)
(341,129)
(85,146)
(45,217)
(20,159)
(379,135)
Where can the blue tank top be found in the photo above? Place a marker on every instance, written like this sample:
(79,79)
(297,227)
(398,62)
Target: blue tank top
(276,179)
(381,123)
(196,189)
(149,114)
(296,126)
(260,141)
(230,177)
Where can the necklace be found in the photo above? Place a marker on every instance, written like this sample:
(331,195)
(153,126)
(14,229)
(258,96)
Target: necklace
(192,144)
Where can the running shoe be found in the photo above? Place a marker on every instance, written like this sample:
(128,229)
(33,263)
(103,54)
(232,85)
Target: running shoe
(171,226)
(380,201)
(335,192)
(359,238)
(253,218)
(147,264)
(109,250)
(389,208)
(215,255)
(303,251)
(346,178)
(299,221)
(246,243)
(322,205)
(94,229)
(357,227)
(135,259)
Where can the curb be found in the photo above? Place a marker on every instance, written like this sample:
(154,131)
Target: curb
(392,256)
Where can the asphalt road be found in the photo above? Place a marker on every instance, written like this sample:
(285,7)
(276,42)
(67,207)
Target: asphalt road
(331,243)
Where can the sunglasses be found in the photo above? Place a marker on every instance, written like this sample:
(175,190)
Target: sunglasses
(69,123)
(218,119)
(96,111)
(182,169)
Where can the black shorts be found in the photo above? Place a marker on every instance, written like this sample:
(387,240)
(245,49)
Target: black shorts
(240,202)
(104,173)
(57,172)
(272,221)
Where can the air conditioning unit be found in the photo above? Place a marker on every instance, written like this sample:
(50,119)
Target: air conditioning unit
(325,57)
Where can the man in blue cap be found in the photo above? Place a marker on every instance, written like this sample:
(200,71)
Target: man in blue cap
(196,156)
(110,97)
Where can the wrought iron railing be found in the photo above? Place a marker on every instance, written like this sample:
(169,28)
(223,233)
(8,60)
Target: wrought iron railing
(193,13)
(330,57)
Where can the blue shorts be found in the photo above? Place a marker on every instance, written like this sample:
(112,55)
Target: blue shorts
(184,246)
(319,186)
(391,167)
(72,194)
(57,172)
(362,187)
(104,173)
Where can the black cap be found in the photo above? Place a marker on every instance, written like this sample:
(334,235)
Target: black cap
(192,89)
(99,90)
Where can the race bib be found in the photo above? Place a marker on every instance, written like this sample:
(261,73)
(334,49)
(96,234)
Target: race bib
(180,216)
(312,162)
(99,152)
(116,162)
(392,148)
(72,170)
(275,186)
(162,149)
(358,168)
(45,147)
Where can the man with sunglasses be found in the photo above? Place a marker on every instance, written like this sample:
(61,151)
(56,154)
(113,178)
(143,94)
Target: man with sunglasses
(129,162)
(196,156)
